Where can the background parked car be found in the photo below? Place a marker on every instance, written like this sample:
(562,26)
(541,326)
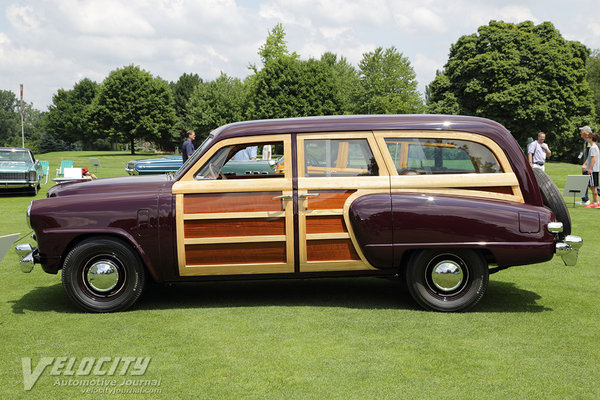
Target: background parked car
(19,169)
(166,164)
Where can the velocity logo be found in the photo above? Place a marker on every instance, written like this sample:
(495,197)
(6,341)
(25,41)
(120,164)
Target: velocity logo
(87,366)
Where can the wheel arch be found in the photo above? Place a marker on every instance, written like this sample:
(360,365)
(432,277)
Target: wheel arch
(123,237)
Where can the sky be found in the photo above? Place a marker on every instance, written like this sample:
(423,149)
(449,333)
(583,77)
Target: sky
(48,45)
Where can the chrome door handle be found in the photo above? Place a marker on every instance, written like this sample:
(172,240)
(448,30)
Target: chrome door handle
(306,195)
(283,197)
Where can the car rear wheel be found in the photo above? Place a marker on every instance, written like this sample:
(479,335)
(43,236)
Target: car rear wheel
(447,280)
(103,275)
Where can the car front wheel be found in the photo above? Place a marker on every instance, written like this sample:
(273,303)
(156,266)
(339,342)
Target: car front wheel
(447,280)
(103,275)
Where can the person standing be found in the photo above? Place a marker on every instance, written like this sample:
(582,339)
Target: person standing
(266,152)
(248,153)
(593,167)
(187,149)
(538,151)
(584,131)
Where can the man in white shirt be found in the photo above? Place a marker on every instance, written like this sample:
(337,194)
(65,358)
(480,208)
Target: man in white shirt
(538,151)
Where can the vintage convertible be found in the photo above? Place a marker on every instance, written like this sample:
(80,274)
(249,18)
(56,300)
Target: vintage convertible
(19,169)
(439,201)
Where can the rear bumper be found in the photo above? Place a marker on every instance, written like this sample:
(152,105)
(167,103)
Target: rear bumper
(569,249)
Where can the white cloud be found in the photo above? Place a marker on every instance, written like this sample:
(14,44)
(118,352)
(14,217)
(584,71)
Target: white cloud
(22,17)
(54,44)
(108,17)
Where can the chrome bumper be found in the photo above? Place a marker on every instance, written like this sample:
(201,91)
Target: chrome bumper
(27,254)
(568,249)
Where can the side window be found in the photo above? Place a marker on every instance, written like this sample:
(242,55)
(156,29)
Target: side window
(244,161)
(338,157)
(441,156)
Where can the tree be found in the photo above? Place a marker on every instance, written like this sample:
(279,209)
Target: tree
(68,115)
(182,92)
(216,103)
(288,87)
(593,70)
(439,98)
(132,104)
(346,80)
(387,84)
(275,46)
(10,120)
(525,76)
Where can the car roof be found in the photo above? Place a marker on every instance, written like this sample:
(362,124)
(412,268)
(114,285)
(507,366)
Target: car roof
(347,123)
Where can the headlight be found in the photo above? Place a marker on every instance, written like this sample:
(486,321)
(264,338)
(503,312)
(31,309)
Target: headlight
(32,176)
(28,215)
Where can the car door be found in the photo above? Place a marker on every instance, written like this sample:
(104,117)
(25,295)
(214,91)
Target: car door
(334,169)
(236,223)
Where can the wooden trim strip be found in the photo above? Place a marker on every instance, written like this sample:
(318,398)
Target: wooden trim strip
(235,239)
(465,193)
(236,269)
(325,236)
(453,181)
(345,183)
(233,185)
(258,214)
(330,266)
(315,213)
(180,231)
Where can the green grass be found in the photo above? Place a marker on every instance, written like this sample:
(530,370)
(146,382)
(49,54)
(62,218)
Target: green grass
(534,335)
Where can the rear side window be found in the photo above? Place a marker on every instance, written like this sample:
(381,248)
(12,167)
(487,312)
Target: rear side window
(338,157)
(441,156)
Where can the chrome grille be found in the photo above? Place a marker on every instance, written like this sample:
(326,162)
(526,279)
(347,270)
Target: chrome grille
(13,176)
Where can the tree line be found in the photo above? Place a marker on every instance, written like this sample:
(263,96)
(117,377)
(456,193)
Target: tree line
(525,76)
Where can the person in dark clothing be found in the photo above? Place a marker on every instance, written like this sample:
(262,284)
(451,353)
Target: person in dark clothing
(187,149)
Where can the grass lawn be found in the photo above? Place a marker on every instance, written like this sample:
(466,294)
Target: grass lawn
(535,334)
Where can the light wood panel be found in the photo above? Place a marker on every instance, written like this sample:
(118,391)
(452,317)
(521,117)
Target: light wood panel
(331,250)
(235,253)
(231,202)
(234,227)
(325,224)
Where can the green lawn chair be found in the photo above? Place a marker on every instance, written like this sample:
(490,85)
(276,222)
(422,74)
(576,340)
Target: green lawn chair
(64,164)
(45,169)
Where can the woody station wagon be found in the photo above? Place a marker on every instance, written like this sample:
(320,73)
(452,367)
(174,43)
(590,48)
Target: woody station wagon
(439,201)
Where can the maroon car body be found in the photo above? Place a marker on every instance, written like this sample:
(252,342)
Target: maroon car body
(434,199)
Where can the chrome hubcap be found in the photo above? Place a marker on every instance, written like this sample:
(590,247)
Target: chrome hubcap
(103,276)
(447,275)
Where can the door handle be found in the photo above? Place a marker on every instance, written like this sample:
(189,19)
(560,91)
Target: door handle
(283,197)
(306,195)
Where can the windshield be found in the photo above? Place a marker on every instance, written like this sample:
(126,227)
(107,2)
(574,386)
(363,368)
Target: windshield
(15,156)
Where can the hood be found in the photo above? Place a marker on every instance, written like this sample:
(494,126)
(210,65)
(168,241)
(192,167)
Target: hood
(132,184)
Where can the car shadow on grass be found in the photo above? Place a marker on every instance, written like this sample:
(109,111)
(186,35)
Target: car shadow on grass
(359,293)
(44,298)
